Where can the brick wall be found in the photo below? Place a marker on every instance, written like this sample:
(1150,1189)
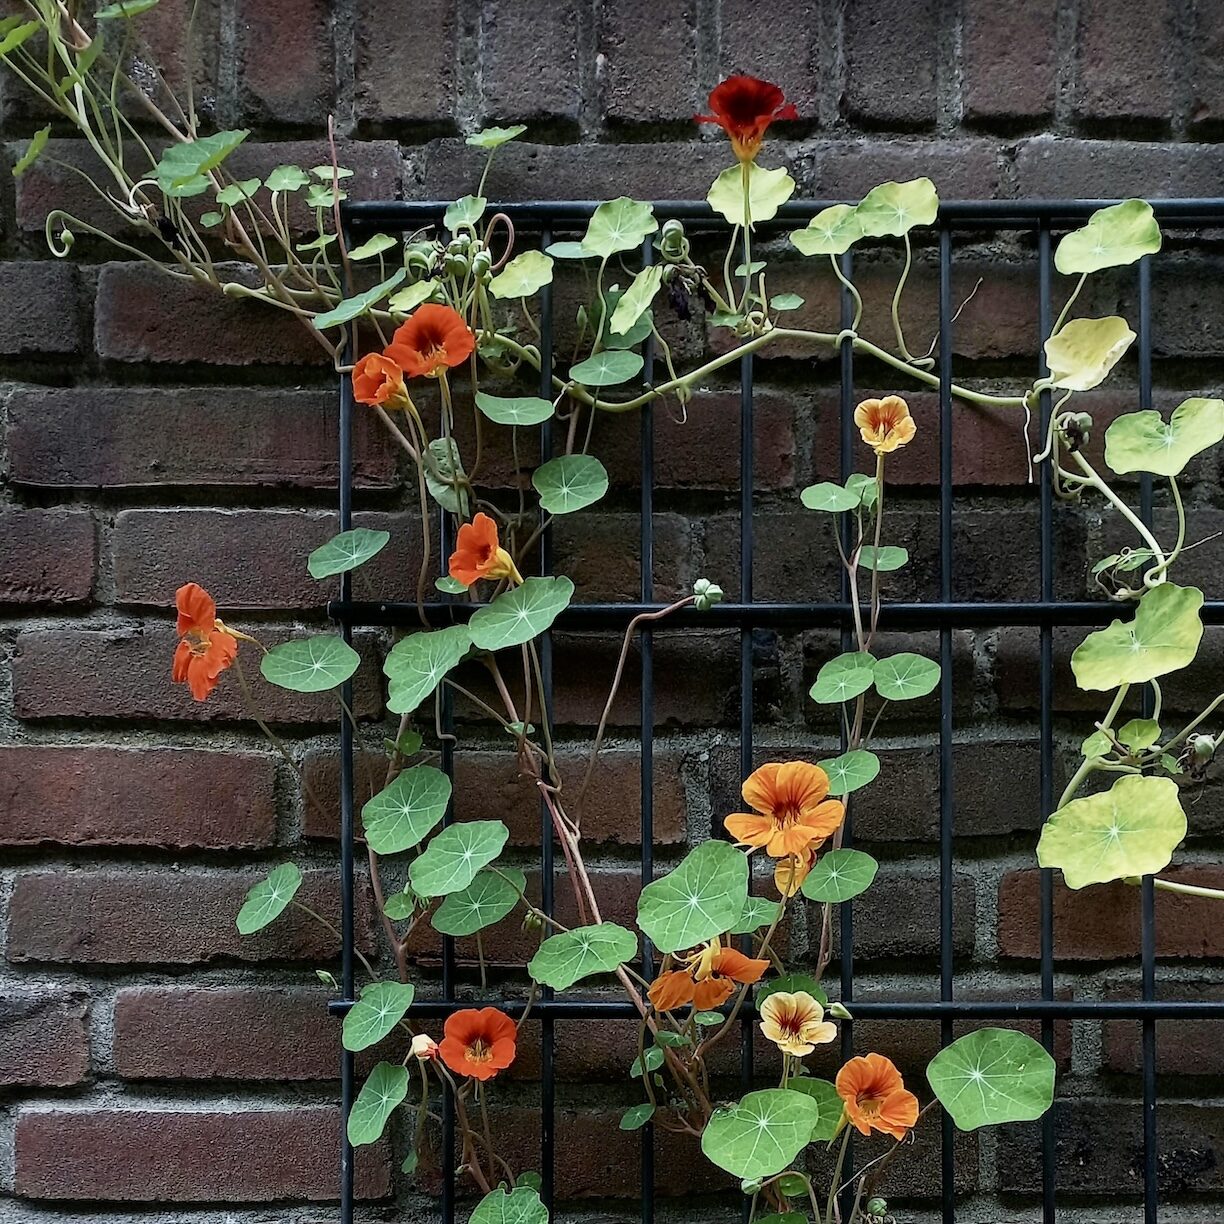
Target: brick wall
(147,1054)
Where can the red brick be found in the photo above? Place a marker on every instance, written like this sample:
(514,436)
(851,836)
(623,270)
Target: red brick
(44,1039)
(162,917)
(1102,922)
(147,316)
(960,169)
(1125,61)
(125,673)
(649,55)
(412,78)
(285,67)
(96,437)
(1182,290)
(780,41)
(530,66)
(225,1033)
(879,36)
(46,314)
(602,554)
(1009,59)
(1207,74)
(162,34)
(155,551)
(188,1156)
(1183,1047)
(1056,168)
(47,556)
(489,781)
(137,797)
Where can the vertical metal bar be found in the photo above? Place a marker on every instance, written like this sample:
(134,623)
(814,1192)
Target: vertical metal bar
(646,528)
(347,1070)
(946,811)
(548,1099)
(446,698)
(1148,891)
(1045,323)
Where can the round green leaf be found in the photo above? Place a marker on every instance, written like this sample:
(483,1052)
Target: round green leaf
(184,164)
(514,410)
(829,497)
(895,208)
(386,1087)
(372,247)
(1139,733)
(400,906)
(569,250)
(635,301)
(400,816)
(827,1098)
(1113,236)
(450,586)
(844,678)
(381,1007)
(607,369)
(992,1076)
(417,663)
(768,190)
(570,482)
(1083,352)
(521,1205)
(901,677)
(1143,442)
(495,137)
(411,296)
(518,615)
(287,178)
(840,875)
(310,665)
(888,558)
(565,959)
(486,900)
(1131,829)
(867,488)
(346,551)
(524,275)
(762,1134)
(758,912)
(267,900)
(851,770)
(444,477)
(1163,637)
(352,308)
(1096,745)
(464,212)
(235,193)
(830,232)
(452,859)
(619,225)
(785,301)
(700,899)
(637,1117)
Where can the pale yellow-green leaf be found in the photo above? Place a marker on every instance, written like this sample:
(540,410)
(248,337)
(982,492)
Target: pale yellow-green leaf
(1085,350)
(768,190)
(1145,442)
(1113,236)
(412,296)
(524,275)
(833,231)
(636,299)
(895,208)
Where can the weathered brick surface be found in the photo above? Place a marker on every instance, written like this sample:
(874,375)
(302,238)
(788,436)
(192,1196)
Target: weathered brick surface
(46,316)
(1010,58)
(285,68)
(1126,63)
(410,78)
(47,556)
(44,1039)
(104,796)
(530,60)
(891,53)
(649,53)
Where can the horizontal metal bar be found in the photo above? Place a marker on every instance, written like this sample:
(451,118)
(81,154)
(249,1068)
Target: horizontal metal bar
(957,614)
(963,1009)
(987,213)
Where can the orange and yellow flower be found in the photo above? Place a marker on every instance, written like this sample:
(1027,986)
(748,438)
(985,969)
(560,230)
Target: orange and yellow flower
(432,339)
(792,814)
(795,1023)
(885,423)
(478,554)
(791,871)
(479,1043)
(377,380)
(707,980)
(744,107)
(875,1096)
(206,648)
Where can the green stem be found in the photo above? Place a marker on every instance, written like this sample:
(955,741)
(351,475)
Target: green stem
(848,285)
(1189,890)
(836,1179)
(746,187)
(1122,508)
(1089,764)
(1070,302)
(1155,575)
(896,301)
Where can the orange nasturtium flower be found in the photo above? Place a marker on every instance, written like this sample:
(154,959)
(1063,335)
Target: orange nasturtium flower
(795,1023)
(791,810)
(479,1043)
(479,555)
(377,380)
(791,871)
(876,1097)
(885,423)
(432,339)
(744,106)
(206,647)
(707,980)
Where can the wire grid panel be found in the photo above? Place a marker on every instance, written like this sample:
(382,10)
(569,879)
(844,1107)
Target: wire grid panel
(1038,220)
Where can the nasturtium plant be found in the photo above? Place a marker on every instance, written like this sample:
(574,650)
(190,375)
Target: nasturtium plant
(268,899)
(383,1091)
(896,208)
(569,483)
(404,813)
(761,1134)
(523,276)
(380,1008)
(518,615)
(489,898)
(417,664)
(310,665)
(768,190)
(993,1076)
(617,226)
(1082,353)
(514,410)
(451,860)
(830,232)
(696,901)
(567,958)
(1146,442)
(845,677)
(840,875)
(346,552)
(1113,236)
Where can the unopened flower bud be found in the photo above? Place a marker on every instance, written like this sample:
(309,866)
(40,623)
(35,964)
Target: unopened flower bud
(876,1206)
(1204,748)
(838,1011)
(534,921)
(455,265)
(424,1047)
(707,594)
(482,263)
(672,242)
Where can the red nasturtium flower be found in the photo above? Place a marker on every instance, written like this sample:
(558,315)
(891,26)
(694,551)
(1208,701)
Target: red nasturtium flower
(432,339)
(744,106)
(479,555)
(791,815)
(875,1096)
(885,423)
(379,380)
(206,648)
(707,980)
(479,1043)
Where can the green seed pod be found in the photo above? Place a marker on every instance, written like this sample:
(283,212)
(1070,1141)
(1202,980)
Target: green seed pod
(1204,748)
(455,265)
(672,242)
(876,1206)
(482,264)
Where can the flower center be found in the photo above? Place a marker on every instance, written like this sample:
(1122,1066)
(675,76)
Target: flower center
(870,1105)
(480,1051)
(198,641)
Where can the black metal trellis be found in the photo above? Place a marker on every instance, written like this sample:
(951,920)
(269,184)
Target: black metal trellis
(1037,218)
